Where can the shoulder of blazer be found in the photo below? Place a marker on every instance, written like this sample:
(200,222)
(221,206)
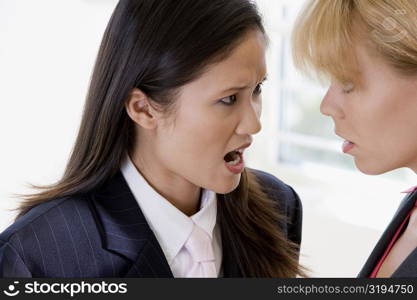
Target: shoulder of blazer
(287,199)
(33,215)
(25,244)
(102,233)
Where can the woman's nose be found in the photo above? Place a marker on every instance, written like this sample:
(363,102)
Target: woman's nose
(250,122)
(330,105)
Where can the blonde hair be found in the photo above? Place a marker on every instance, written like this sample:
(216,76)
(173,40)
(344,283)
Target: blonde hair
(325,32)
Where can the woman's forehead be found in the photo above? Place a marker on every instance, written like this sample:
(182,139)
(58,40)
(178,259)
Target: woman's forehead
(248,56)
(245,64)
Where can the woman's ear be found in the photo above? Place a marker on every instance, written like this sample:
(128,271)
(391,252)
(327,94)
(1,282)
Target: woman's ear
(140,110)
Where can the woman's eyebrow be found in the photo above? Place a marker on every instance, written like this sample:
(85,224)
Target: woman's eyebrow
(234,88)
(242,87)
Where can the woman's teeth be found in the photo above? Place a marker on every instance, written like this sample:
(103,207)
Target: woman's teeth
(236,156)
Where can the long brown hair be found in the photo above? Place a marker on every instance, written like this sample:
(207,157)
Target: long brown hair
(158,46)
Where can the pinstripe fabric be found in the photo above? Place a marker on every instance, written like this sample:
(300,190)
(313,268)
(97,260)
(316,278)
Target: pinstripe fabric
(104,234)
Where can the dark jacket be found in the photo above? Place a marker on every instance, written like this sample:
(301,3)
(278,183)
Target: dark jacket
(408,267)
(105,234)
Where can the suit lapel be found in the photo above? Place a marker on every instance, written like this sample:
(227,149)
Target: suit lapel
(387,236)
(230,269)
(125,231)
(408,267)
(229,263)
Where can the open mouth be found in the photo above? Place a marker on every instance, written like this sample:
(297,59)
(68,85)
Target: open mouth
(233,157)
(347,146)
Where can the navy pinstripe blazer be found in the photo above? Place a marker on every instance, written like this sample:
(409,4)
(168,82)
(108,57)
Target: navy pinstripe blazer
(104,234)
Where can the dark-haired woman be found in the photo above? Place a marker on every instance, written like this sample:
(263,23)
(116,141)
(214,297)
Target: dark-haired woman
(156,185)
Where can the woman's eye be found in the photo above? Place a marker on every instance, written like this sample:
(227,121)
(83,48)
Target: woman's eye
(348,88)
(228,100)
(258,89)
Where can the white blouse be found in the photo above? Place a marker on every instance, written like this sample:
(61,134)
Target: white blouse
(170,225)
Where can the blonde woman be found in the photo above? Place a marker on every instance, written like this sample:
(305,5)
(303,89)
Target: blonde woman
(368,50)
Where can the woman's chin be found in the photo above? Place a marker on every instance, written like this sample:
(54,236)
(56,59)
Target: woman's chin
(371,169)
(226,186)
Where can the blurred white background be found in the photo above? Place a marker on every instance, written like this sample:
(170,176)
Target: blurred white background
(47,51)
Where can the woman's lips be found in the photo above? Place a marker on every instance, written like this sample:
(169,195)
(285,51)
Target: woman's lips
(347,146)
(240,165)
(238,168)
